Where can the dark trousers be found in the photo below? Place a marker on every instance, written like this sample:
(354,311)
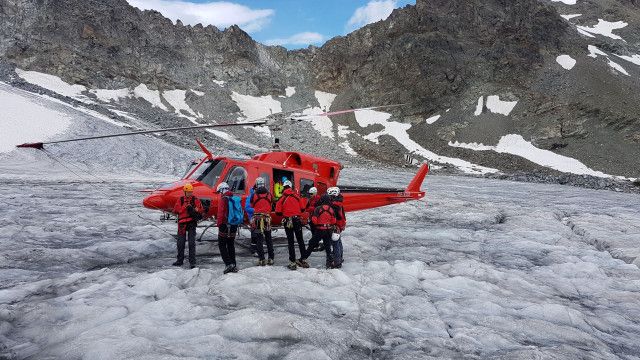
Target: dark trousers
(325,236)
(227,243)
(337,251)
(266,238)
(297,231)
(190,234)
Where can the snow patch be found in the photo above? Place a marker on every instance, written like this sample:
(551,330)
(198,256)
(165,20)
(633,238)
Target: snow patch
(570,16)
(256,107)
(399,132)
(219,83)
(566,61)
(517,145)
(497,106)
(151,96)
(566,2)
(25,120)
(325,99)
(290,91)
(107,95)
(177,100)
(433,119)
(605,28)
(594,52)
(479,106)
(321,124)
(635,59)
(52,82)
(199,93)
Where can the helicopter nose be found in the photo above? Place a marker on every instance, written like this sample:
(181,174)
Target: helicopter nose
(155,202)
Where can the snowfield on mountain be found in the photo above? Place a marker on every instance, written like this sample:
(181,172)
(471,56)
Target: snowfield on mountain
(478,269)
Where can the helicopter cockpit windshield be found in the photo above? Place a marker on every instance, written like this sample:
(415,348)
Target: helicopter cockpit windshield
(209,172)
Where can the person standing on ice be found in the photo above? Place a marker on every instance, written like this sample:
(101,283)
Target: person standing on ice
(311,205)
(337,203)
(261,201)
(324,221)
(189,210)
(248,210)
(290,208)
(226,232)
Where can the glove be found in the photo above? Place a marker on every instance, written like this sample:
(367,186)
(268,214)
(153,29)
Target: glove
(189,208)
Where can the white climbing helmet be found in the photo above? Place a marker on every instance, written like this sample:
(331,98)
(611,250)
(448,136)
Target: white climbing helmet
(260,182)
(222,187)
(333,191)
(313,191)
(287,183)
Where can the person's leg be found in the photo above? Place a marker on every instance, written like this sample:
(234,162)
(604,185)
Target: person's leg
(231,244)
(222,244)
(290,241)
(269,241)
(326,240)
(337,252)
(191,236)
(254,243)
(315,240)
(180,244)
(297,227)
(259,240)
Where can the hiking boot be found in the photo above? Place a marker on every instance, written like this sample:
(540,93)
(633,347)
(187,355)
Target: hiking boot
(336,265)
(191,266)
(262,262)
(329,264)
(228,269)
(292,265)
(270,262)
(302,263)
(177,263)
(234,269)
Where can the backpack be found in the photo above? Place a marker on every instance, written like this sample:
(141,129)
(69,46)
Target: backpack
(323,215)
(236,214)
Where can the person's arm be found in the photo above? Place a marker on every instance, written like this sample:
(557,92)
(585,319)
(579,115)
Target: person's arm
(178,207)
(222,210)
(199,207)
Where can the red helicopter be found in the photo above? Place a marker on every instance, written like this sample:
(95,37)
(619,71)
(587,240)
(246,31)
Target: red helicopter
(303,170)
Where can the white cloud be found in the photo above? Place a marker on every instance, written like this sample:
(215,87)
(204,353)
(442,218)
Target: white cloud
(374,11)
(303,38)
(221,14)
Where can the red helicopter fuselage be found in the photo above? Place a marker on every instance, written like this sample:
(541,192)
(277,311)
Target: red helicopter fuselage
(303,170)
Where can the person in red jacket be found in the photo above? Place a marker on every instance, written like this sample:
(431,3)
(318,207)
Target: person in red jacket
(311,205)
(324,221)
(226,232)
(337,202)
(261,201)
(290,207)
(189,210)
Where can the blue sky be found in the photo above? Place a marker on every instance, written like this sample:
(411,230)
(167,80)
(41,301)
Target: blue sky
(290,23)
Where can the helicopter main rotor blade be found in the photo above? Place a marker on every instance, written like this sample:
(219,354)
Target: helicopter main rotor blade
(340,112)
(40,145)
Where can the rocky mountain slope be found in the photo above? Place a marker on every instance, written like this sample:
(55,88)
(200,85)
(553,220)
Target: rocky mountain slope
(521,85)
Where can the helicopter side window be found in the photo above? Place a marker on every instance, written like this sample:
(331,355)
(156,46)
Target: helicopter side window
(212,173)
(189,169)
(267,179)
(237,180)
(305,185)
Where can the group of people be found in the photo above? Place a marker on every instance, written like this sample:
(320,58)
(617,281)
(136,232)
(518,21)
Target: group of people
(325,213)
